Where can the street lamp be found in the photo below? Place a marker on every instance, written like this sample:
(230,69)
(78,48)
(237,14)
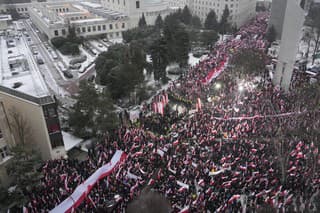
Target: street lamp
(241,88)
(217,86)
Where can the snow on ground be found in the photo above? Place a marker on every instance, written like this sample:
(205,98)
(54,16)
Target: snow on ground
(193,60)
(31,81)
(78,73)
(88,63)
(70,141)
(96,44)
(149,79)
(116,40)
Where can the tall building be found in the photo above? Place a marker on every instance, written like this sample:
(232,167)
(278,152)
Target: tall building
(89,19)
(27,107)
(178,3)
(240,10)
(134,9)
(288,20)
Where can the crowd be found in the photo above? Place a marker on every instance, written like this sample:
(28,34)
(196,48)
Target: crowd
(226,157)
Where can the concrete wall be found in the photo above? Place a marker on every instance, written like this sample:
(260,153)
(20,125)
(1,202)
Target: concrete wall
(291,35)
(278,9)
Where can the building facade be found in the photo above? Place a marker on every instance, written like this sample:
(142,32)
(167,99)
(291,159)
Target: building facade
(178,3)
(134,9)
(6,141)
(89,19)
(241,11)
(39,117)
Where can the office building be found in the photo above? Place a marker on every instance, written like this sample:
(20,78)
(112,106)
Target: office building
(241,11)
(89,19)
(134,9)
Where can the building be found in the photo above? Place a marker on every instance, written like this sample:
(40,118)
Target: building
(241,11)
(89,19)
(6,140)
(266,4)
(28,111)
(290,16)
(5,21)
(178,3)
(134,9)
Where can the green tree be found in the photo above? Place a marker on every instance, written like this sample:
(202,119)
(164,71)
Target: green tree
(209,37)
(107,119)
(196,22)
(159,22)
(58,42)
(271,34)
(142,21)
(224,24)
(211,22)
(186,16)
(83,112)
(182,47)
(249,61)
(23,171)
(159,56)
(93,113)
(121,68)
(313,20)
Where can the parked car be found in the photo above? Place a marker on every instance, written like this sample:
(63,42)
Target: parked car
(40,60)
(67,74)
(77,60)
(313,70)
(75,66)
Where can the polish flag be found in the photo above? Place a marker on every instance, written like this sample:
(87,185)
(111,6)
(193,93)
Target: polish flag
(233,198)
(185,210)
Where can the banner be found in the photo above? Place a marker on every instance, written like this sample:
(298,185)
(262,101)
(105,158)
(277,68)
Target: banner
(81,192)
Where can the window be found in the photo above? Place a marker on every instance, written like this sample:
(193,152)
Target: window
(94,28)
(89,29)
(110,26)
(4,152)
(137,4)
(123,25)
(53,128)
(99,28)
(116,25)
(83,29)
(56,32)
(104,27)
(1,134)
(63,31)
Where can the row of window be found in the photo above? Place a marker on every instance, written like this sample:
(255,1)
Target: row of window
(4,152)
(124,2)
(95,28)
(22,9)
(62,10)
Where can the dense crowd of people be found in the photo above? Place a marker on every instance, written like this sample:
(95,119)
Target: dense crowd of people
(230,155)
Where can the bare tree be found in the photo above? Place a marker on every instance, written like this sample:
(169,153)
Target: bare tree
(20,126)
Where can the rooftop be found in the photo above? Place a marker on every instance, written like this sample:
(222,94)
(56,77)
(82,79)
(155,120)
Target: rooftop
(5,18)
(20,75)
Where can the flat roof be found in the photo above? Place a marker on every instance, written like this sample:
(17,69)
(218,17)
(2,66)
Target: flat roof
(24,75)
(5,18)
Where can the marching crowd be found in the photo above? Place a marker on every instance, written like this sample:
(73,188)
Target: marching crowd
(223,158)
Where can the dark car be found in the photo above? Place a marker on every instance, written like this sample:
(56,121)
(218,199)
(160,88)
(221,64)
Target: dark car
(67,74)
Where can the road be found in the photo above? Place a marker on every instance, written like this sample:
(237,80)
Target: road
(54,79)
